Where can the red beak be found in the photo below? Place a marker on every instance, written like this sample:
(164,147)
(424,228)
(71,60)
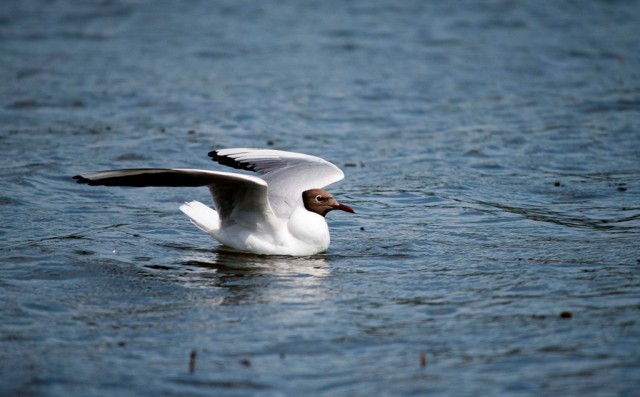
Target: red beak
(344,207)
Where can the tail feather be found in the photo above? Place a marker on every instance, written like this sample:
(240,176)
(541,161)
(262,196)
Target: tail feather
(201,215)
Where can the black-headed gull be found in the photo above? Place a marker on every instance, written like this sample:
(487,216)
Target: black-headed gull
(281,213)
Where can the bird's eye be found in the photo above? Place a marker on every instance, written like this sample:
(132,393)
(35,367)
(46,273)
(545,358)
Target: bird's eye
(319,198)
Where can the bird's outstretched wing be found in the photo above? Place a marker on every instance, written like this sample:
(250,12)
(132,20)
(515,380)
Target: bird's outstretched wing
(287,174)
(238,198)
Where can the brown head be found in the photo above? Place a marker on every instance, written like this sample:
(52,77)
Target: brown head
(320,201)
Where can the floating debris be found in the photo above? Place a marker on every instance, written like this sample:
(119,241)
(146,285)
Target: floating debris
(566,314)
(192,361)
(423,360)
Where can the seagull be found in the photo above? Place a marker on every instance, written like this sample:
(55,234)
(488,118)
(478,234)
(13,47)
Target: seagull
(280,213)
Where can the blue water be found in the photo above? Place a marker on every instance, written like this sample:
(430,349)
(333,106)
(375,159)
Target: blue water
(491,151)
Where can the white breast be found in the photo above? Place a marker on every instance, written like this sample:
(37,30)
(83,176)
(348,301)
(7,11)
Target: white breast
(309,232)
(305,233)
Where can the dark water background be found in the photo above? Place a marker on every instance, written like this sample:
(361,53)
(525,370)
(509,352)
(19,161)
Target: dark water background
(492,152)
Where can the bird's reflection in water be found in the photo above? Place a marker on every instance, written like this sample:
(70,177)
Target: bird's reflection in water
(249,278)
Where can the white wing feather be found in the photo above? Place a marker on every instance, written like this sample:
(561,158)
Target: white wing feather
(238,198)
(287,174)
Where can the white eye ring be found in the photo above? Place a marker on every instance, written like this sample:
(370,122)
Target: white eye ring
(319,198)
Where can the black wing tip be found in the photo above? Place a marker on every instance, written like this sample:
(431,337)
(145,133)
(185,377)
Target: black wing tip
(82,179)
(86,181)
(231,162)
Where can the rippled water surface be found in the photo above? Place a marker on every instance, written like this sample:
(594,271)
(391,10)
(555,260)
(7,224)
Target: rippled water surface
(492,153)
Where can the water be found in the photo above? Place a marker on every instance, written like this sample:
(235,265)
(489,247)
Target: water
(492,152)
